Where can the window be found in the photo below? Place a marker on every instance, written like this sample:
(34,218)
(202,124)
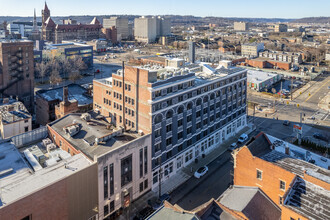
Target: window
(259,174)
(145,184)
(168,141)
(112,206)
(282,185)
(141,162)
(126,170)
(106,210)
(281,200)
(141,186)
(145,160)
(169,154)
(180,122)
(188,156)
(155,177)
(60,143)
(112,185)
(180,135)
(158,133)
(157,147)
(169,128)
(105,181)
(180,148)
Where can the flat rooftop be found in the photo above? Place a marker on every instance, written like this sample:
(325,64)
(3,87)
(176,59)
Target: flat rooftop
(76,92)
(84,140)
(19,180)
(12,111)
(259,76)
(65,45)
(309,200)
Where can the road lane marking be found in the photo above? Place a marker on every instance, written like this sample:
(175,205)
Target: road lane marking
(317,90)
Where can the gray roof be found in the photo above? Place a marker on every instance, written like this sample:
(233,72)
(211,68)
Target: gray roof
(297,166)
(164,213)
(259,145)
(76,92)
(309,200)
(95,128)
(251,201)
(13,111)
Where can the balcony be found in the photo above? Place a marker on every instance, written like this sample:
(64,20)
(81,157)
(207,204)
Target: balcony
(205,105)
(189,112)
(198,108)
(168,121)
(158,125)
(189,124)
(180,128)
(180,116)
(158,139)
(169,134)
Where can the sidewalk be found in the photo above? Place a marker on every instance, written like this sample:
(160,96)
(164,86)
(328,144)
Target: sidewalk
(185,173)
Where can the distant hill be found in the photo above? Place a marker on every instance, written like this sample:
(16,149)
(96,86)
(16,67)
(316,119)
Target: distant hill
(312,20)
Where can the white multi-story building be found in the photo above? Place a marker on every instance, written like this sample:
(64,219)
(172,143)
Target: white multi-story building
(147,29)
(14,118)
(290,57)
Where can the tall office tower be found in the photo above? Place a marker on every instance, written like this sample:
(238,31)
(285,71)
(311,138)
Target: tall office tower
(145,29)
(191,51)
(17,71)
(241,26)
(121,24)
(188,109)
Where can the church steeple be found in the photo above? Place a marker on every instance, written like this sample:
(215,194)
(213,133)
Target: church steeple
(35,26)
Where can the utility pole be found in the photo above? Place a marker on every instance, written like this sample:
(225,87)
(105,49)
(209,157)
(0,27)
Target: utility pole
(299,135)
(124,118)
(281,92)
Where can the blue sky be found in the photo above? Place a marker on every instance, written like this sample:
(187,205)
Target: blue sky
(219,8)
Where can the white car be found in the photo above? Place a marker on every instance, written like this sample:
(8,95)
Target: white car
(243,138)
(201,172)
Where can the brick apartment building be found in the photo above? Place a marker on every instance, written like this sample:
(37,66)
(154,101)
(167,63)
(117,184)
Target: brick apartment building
(268,63)
(49,104)
(17,71)
(189,110)
(300,188)
(65,190)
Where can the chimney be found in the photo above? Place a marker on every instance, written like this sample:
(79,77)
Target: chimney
(287,149)
(65,95)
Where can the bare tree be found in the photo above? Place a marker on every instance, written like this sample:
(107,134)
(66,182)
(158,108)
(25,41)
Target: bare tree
(66,67)
(74,75)
(42,70)
(79,64)
(55,77)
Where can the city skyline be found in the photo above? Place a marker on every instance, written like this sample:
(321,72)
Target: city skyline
(255,8)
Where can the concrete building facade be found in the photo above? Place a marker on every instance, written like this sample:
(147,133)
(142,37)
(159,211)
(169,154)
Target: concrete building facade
(148,29)
(187,113)
(14,118)
(123,158)
(17,71)
(252,50)
(241,26)
(290,57)
(121,24)
(280,28)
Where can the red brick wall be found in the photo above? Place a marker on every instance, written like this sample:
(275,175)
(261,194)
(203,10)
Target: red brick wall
(288,213)
(271,174)
(281,65)
(318,182)
(256,63)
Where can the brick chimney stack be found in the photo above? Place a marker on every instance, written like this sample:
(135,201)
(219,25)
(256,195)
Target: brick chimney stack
(65,95)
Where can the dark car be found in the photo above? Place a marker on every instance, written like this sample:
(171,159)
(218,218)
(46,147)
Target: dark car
(320,137)
(159,202)
(286,123)
(144,213)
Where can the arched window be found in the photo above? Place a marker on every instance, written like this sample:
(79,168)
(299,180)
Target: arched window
(158,118)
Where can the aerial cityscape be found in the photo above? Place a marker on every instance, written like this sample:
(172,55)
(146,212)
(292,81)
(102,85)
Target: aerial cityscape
(164,110)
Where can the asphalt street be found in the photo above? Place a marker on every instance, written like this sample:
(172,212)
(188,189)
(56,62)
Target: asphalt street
(195,192)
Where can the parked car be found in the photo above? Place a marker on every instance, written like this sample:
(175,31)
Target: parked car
(320,137)
(286,122)
(159,202)
(233,146)
(144,213)
(242,138)
(201,172)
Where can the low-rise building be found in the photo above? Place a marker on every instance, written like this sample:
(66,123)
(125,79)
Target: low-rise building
(327,57)
(69,50)
(48,99)
(98,45)
(268,63)
(64,187)
(14,118)
(123,157)
(252,50)
(290,57)
(259,80)
(283,171)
